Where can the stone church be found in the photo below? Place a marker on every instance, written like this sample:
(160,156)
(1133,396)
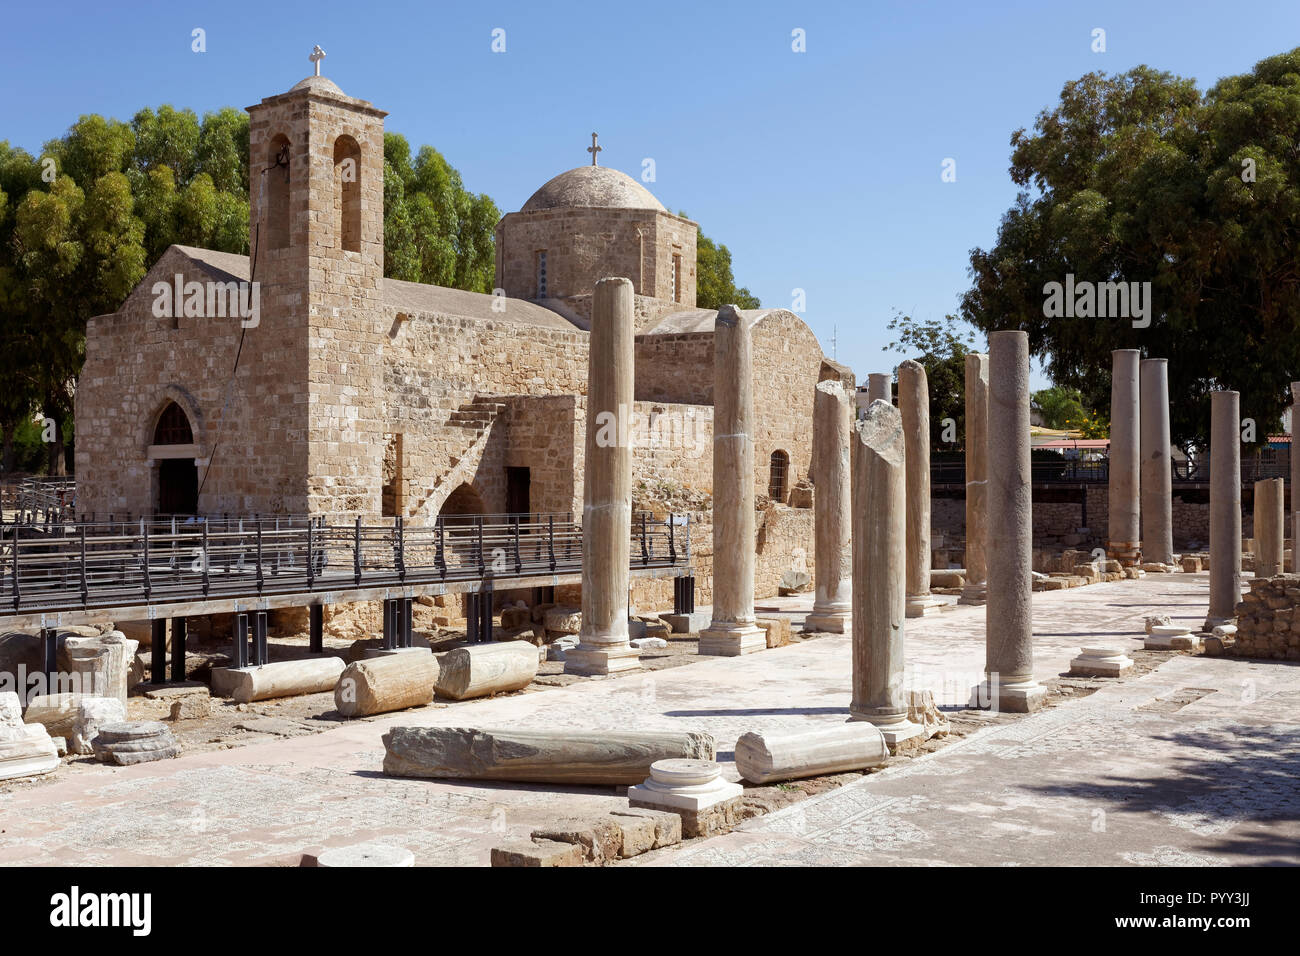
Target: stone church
(352,393)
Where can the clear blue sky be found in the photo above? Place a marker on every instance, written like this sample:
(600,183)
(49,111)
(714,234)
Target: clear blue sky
(820,170)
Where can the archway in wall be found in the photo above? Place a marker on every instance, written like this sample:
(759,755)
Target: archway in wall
(178,478)
(458,514)
(460,508)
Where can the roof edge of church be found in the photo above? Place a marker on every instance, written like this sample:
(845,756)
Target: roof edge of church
(221,264)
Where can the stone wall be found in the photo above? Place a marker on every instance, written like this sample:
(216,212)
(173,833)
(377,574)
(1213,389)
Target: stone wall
(584,245)
(785,542)
(674,446)
(1191,519)
(1268,619)
(435,364)
(136,363)
(1056,522)
(675,368)
(787,366)
(543,435)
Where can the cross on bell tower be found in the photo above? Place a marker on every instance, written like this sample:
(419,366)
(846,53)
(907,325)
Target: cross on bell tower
(316,55)
(594,149)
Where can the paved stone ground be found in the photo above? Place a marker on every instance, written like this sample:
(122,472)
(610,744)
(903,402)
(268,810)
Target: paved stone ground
(1193,763)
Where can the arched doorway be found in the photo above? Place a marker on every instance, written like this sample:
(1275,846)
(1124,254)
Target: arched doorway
(457,516)
(178,478)
(460,509)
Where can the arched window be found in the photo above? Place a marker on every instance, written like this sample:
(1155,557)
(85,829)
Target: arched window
(173,427)
(776,481)
(347,193)
(275,227)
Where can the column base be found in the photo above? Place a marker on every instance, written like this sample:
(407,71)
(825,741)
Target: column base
(1127,553)
(692,789)
(831,622)
(974,594)
(901,735)
(594,660)
(1022,697)
(920,605)
(1212,622)
(1171,638)
(1100,662)
(724,639)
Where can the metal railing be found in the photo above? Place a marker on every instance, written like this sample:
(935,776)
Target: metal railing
(1073,472)
(80,565)
(41,501)
(1064,472)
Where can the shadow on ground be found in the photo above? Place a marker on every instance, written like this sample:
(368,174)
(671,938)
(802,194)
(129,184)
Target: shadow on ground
(1218,785)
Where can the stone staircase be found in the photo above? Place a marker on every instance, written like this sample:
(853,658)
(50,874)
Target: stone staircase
(476,419)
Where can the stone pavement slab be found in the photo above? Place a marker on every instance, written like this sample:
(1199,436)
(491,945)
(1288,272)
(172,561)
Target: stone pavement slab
(1194,764)
(269,803)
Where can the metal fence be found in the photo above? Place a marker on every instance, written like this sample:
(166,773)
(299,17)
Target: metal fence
(77,565)
(1074,472)
(40,501)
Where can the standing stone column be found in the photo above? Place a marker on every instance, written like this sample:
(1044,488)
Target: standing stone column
(879,573)
(878,388)
(1156,478)
(1269,524)
(914,406)
(603,646)
(733,630)
(1225,508)
(1295,476)
(1124,542)
(1009,650)
(977,417)
(832,501)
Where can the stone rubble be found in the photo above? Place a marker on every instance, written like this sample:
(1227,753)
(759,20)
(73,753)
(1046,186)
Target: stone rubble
(1268,619)
(134,741)
(93,713)
(26,750)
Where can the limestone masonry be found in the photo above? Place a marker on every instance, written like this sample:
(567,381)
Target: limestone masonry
(357,394)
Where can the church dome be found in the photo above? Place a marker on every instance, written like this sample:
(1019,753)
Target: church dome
(593,187)
(319,84)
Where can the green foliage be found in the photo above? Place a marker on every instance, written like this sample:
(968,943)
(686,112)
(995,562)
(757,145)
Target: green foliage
(1140,178)
(124,192)
(435,231)
(715,286)
(1063,408)
(939,346)
(76,246)
(1059,406)
(25,451)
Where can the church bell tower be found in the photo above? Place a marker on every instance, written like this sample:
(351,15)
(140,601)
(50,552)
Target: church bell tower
(316,244)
